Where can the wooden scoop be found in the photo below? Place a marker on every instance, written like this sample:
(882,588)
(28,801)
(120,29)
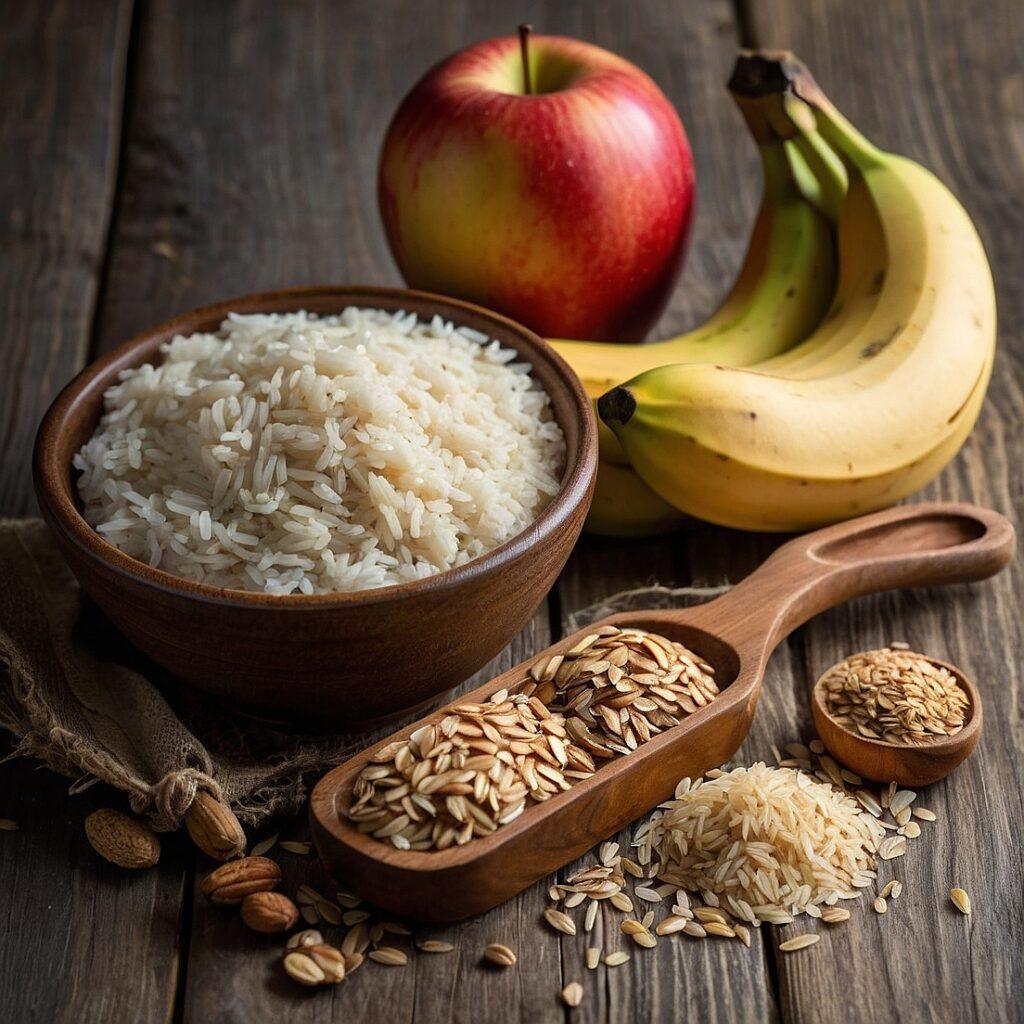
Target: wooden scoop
(915,545)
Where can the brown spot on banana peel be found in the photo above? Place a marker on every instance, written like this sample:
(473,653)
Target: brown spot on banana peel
(790,292)
(877,281)
(871,350)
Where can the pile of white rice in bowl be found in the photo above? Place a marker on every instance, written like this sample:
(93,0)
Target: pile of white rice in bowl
(294,454)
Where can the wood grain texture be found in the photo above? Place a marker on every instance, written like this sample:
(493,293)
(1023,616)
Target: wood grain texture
(250,162)
(108,938)
(62,71)
(250,156)
(943,83)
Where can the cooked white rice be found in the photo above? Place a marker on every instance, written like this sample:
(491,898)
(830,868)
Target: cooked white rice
(766,843)
(290,453)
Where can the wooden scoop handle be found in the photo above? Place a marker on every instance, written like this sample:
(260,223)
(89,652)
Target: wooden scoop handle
(908,546)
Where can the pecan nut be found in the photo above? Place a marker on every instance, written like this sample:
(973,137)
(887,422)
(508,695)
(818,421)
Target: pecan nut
(232,882)
(269,912)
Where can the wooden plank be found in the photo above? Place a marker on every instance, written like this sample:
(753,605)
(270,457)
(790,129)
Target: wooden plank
(250,158)
(939,81)
(107,937)
(62,78)
(689,51)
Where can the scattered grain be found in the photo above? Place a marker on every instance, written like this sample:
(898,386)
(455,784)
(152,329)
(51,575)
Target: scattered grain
(499,955)
(559,921)
(732,837)
(264,845)
(572,994)
(721,930)
(833,915)
(961,900)
(389,956)
(434,946)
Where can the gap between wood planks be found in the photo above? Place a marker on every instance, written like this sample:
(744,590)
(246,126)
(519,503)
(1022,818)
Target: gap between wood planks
(127,112)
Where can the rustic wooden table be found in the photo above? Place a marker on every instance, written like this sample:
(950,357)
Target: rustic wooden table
(166,154)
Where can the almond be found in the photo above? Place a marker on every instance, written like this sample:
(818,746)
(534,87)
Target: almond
(214,827)
(232,882)
(269,912)
(124,841)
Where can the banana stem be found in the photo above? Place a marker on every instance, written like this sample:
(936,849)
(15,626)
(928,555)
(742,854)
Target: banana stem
(791,98)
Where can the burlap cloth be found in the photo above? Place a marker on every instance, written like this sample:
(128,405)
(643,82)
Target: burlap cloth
(78,698)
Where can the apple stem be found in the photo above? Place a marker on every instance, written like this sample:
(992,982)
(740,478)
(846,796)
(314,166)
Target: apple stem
(524,50)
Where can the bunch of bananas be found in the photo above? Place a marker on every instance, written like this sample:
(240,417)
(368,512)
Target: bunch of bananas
(848,364)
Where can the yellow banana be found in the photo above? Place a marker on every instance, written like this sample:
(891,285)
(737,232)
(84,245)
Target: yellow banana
(624,506)
(872,405)
(780,295)
(782,291)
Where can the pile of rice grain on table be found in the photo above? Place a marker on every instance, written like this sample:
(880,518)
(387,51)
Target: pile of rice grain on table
(765,843)
(289,453)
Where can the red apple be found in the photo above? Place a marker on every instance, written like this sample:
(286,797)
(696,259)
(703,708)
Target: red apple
(567,208)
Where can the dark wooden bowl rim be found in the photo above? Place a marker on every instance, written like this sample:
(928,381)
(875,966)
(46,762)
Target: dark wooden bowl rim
(53,478)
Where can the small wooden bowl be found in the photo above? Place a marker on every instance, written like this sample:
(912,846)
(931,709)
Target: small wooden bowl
(895,762)
(327,658)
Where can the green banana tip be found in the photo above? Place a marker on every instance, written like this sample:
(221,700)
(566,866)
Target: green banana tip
(616,407)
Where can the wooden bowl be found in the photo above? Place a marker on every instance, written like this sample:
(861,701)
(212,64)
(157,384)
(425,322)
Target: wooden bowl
(326,658)
(882,761)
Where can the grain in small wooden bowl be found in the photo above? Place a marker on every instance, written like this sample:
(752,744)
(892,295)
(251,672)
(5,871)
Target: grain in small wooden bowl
(322,659)
(881,761)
